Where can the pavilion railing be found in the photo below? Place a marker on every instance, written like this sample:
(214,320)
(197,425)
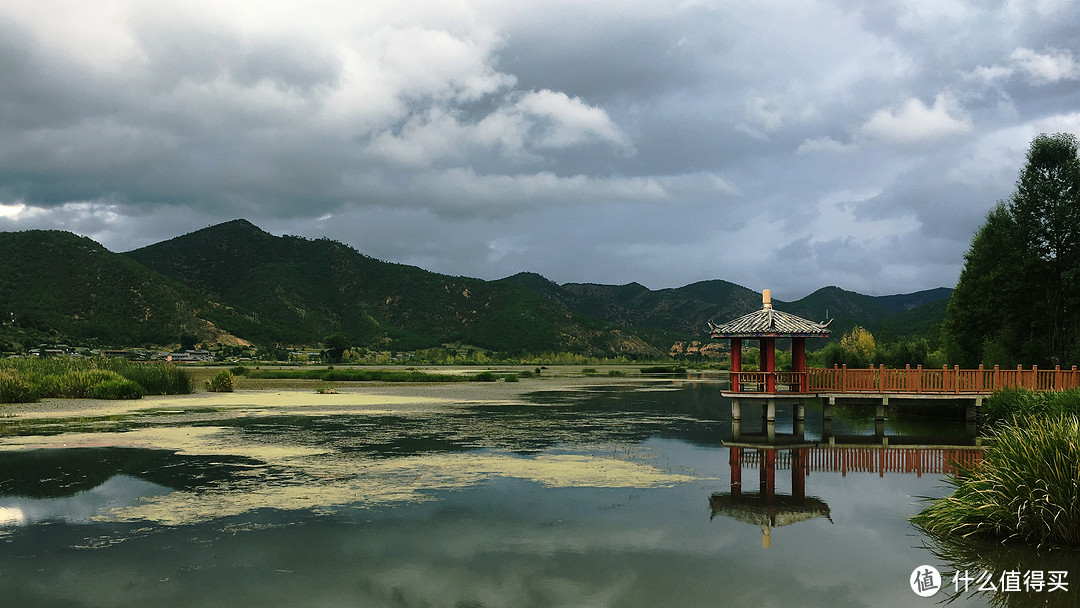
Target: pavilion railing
(841,379)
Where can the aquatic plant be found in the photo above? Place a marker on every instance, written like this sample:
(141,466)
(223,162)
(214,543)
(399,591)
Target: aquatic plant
(116,389)
(1027,488)
(1006,404)
(221,383)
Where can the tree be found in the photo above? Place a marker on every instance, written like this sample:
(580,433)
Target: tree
(1018,297)
(335,346)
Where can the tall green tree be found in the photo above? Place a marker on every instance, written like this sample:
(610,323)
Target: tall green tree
(1018,298)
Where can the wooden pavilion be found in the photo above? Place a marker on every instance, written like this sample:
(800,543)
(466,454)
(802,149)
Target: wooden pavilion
(766,325)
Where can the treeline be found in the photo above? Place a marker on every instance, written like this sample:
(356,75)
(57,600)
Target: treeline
(1018,297)
(859,349)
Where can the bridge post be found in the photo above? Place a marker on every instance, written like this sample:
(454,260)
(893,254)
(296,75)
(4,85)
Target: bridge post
(736,419)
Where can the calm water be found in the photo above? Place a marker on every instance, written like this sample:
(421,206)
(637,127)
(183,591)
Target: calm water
(614,496)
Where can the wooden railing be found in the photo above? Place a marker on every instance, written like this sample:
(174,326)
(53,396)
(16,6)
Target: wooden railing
(906,381)
(756,382)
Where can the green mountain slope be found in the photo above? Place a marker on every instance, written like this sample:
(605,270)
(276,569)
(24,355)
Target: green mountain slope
(234,282)
(57,284)
(295,290)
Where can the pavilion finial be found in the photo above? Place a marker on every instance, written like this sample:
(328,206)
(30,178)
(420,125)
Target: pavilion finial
(766,299)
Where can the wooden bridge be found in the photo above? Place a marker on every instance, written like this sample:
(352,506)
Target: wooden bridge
(908,381)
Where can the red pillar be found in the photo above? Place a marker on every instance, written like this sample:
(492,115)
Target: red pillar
(768,363)
(798,362)
(736,363)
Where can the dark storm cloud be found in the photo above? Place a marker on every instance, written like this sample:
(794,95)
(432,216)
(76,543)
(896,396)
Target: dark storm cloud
(787,144)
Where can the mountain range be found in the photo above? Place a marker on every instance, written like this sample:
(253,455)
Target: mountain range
(234,283)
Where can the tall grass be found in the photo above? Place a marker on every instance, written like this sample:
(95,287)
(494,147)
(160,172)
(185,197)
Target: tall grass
(1009,403)
(1027,488)
(25,380)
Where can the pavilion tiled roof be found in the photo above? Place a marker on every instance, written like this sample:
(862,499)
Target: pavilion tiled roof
(769,322)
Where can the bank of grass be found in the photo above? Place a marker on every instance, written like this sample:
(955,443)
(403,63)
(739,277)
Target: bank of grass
(30,379)
(1026,490)
(368,375)
(1006,404)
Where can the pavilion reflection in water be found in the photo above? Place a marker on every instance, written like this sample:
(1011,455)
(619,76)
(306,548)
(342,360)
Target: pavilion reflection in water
(768,509)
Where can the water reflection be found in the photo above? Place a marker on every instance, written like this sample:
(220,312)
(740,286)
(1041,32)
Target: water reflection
(609,496)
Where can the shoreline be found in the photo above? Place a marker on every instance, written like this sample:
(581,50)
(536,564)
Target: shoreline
(302,395)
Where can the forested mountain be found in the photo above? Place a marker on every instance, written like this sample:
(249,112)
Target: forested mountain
(55,283)
(234,282)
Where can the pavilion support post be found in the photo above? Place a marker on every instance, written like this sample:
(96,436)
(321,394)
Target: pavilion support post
(768,413)
(736,363)
(798,364)
(736,419)
(768,363)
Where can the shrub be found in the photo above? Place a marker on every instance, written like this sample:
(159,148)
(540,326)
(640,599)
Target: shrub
(588,371)
(116,389)
(485,377)
(616,373)
(13,389)
(510,378)
(239,370)
(221,383)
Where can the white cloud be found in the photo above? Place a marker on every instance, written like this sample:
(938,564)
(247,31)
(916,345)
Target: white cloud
(566,121)
(917,123)
(1055,66)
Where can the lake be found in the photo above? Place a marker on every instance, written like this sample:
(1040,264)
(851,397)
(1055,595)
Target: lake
(619,494)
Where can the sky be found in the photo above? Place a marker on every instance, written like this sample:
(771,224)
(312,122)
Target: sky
(783,144)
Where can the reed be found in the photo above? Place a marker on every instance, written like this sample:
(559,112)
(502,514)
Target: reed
(29,379)
(1027,488)
(14,389)
(1006,404)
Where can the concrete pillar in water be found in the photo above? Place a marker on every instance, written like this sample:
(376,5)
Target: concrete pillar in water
(736,419)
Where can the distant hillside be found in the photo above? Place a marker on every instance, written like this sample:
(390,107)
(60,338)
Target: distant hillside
(235,282)
(295,290)
(58,284)
(683,313)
